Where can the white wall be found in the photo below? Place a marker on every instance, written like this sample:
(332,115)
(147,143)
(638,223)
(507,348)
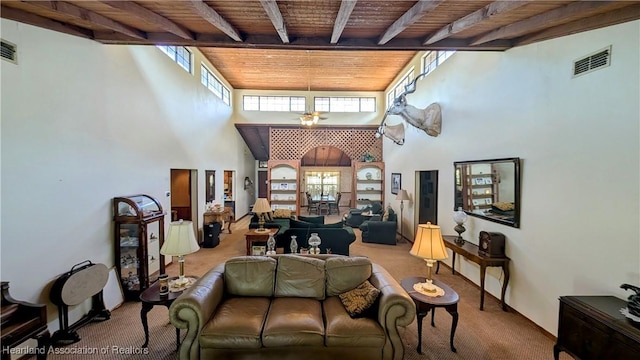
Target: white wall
(578,141)
(84,122)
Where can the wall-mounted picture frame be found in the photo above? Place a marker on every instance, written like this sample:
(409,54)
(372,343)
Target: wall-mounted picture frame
(396,183)
(262,164)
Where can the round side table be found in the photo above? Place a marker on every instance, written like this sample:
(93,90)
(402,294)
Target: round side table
(425,303)
(150,298)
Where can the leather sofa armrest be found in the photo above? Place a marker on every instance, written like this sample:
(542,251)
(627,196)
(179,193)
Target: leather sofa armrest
(396,309)
(194,308)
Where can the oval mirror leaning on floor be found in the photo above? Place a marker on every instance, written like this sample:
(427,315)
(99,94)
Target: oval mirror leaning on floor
(489,189)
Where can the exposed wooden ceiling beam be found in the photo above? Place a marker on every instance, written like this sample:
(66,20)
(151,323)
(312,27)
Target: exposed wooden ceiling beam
(629,13)
(77,12)
(539,21)
(272,10)
(346,7)
(476,17)
(37,20)
(151,17)
(303,43)
(213,18)
(420,9)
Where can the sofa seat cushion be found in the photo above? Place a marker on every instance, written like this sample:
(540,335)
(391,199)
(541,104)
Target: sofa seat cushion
(294,322)
(236,324)
(343,330)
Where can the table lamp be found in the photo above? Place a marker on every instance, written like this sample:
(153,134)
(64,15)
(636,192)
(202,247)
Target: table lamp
(459,217)
(429,246)
(180,241)
(402,196)
(261,207)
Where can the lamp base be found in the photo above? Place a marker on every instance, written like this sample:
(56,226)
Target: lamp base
(459,229)
(263,230)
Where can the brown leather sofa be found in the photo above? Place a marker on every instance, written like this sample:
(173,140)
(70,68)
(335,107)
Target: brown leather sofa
(287,307)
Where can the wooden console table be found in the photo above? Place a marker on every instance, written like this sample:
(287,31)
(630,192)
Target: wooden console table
(470,251)
(225,217)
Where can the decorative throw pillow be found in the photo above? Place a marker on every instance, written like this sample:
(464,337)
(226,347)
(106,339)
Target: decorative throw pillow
(282,213)
(385,215)
(361,298)
(504,206)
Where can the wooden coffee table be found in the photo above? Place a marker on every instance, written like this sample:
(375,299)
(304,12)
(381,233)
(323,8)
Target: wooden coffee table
(253,236)
(425,303)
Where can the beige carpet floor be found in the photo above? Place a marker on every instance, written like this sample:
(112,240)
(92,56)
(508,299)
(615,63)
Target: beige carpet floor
(488,334)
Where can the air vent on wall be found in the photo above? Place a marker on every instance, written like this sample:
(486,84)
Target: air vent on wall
(592,62)
(9,51)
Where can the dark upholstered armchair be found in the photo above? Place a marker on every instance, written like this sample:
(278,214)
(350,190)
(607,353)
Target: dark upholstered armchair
(354,217)
(380,231)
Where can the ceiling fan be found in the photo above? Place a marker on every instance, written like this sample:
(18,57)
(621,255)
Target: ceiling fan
(309,118)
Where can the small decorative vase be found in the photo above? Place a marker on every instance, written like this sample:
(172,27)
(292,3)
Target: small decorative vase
(293,246)
(271,245)
(314,241)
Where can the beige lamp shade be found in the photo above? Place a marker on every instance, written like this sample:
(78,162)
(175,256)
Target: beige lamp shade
(180,239)
(403,195)
(428,243)
(261,206)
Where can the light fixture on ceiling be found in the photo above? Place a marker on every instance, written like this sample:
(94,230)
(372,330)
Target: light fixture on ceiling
(309,118)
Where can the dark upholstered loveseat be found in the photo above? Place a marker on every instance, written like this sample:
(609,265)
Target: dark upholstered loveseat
(335,236)
(287,307)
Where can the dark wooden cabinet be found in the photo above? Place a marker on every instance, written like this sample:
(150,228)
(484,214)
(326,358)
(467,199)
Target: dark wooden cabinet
(592,327)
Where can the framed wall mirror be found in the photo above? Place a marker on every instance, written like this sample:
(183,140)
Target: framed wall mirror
(489,189)
(210,185)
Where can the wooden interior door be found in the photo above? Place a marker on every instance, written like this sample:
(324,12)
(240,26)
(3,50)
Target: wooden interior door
(262,184)
(180,194)
(427,187)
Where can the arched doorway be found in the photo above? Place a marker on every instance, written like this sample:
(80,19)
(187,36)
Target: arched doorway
(326,177)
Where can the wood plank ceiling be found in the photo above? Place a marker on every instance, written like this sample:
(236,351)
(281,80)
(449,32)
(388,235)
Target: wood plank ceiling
(325,45)
(354,45)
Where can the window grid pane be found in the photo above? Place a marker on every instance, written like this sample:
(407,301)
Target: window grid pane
(298,103)
(322,104)
(251,103)
(322,183)
(212,83)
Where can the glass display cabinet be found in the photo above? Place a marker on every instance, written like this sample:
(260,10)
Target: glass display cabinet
(139,235)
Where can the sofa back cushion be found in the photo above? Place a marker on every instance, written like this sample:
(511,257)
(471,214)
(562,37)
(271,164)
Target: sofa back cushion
(312,219)
(336,225)
(299,276)
(250,275)
(298,224)
(346,273)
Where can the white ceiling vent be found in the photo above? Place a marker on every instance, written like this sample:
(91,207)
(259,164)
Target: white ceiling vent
(9,51)
(592,62)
